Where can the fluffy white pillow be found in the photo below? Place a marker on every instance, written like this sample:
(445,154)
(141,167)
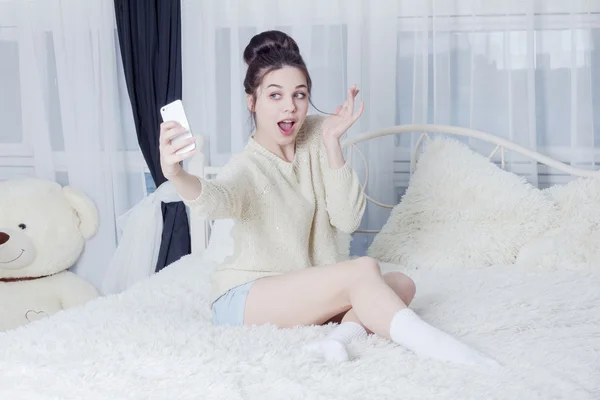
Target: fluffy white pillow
(574,240)
(460,209)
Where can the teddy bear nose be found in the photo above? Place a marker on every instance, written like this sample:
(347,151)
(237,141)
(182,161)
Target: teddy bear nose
(4,238)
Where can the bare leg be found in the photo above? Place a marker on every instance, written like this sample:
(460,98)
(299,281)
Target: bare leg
(333,348)
(399,282)
(315,295)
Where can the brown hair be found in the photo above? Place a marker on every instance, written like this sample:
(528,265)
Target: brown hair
(269,51)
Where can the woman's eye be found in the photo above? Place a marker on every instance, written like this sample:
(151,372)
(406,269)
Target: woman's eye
(22,226)
(276,96)
(300,95)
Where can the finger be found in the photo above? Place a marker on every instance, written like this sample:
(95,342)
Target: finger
(168,131)
(162,138)
(337,110)
(167,125)
(177,145)
(171,134)
(344,109)
(176,158)
(361,108)
(351,100)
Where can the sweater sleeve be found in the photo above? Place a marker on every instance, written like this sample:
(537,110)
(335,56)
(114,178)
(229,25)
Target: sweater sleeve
(344,196)
(223,197)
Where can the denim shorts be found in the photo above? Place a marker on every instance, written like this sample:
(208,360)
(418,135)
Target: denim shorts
(229,308)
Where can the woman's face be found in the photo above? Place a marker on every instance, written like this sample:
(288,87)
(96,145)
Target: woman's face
(281,105)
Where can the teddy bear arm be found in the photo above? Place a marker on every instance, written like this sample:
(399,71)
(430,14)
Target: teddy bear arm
(76,291)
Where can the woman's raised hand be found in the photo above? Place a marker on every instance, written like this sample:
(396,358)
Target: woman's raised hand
(170,161)
(343,117)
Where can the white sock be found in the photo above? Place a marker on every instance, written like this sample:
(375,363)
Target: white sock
(333,347)
(410,331)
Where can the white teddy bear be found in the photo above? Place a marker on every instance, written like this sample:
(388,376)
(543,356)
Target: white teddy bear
(43,229)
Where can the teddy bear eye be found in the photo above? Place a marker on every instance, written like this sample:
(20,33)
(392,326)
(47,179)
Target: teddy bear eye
(22,226)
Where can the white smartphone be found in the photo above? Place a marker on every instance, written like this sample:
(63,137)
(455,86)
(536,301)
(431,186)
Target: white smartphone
(174,112)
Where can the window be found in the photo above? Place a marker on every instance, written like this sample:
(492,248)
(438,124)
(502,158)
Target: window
(149,183)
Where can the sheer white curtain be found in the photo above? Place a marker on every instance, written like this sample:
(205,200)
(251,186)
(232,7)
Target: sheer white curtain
(65,111)
(523,69)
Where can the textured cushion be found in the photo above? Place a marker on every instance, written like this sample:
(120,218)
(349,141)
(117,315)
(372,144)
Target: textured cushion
(460,209)
(574,240)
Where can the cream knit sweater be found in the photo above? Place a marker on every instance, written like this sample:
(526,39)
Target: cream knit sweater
(288,216)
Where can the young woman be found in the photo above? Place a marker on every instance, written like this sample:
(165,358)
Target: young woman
(295,200)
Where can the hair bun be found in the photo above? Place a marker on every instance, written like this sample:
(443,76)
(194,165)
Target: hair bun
(269,41)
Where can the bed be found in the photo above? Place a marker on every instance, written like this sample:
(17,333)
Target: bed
(514,296)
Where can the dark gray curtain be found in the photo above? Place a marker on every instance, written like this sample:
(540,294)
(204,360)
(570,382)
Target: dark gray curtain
(150,40)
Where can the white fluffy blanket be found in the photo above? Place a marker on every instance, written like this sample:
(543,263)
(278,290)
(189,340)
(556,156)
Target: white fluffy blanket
(155,341)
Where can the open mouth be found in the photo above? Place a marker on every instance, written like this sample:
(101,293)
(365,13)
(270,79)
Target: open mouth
(14,259)
(286,126)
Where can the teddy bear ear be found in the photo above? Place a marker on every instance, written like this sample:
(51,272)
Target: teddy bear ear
(86,211)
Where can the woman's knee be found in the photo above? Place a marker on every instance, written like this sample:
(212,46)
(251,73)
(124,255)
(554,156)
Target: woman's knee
(402,284)
(366,267)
